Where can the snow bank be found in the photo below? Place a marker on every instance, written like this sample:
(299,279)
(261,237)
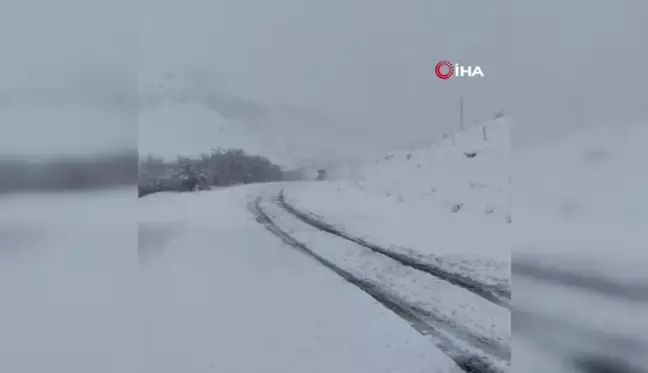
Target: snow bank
(469,170)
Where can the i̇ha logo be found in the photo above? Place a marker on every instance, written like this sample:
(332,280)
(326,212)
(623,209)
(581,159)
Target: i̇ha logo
(445,70)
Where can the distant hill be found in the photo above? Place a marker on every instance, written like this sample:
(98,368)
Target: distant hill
(191,112)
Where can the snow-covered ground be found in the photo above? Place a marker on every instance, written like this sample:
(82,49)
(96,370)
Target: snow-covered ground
(220,293)
(67,269)
(219,287)
(472,323)
(580,282)
(471,168)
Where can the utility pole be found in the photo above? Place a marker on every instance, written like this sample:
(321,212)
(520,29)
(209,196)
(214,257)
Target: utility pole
(461,113)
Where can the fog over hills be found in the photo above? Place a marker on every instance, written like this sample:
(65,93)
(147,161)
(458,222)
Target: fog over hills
(190,112)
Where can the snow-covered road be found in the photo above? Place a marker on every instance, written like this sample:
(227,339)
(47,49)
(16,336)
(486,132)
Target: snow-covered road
(226,279)
(471,329)
(221,294)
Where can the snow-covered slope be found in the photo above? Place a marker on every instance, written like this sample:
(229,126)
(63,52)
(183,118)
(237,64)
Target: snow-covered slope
(469,170)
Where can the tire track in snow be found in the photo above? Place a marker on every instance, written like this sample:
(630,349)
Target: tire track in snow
(490,293)
(419,319)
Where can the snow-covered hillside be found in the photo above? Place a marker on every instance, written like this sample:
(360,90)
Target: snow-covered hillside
(469,171)
(187,114)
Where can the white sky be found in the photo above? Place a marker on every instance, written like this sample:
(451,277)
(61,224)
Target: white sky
(577,63)
(66,66)
(368,63)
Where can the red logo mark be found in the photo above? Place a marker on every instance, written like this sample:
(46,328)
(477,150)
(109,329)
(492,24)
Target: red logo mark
(444,65)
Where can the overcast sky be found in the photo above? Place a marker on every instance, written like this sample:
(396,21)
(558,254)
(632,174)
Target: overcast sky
(578,63)
(368,63)
(67,68)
